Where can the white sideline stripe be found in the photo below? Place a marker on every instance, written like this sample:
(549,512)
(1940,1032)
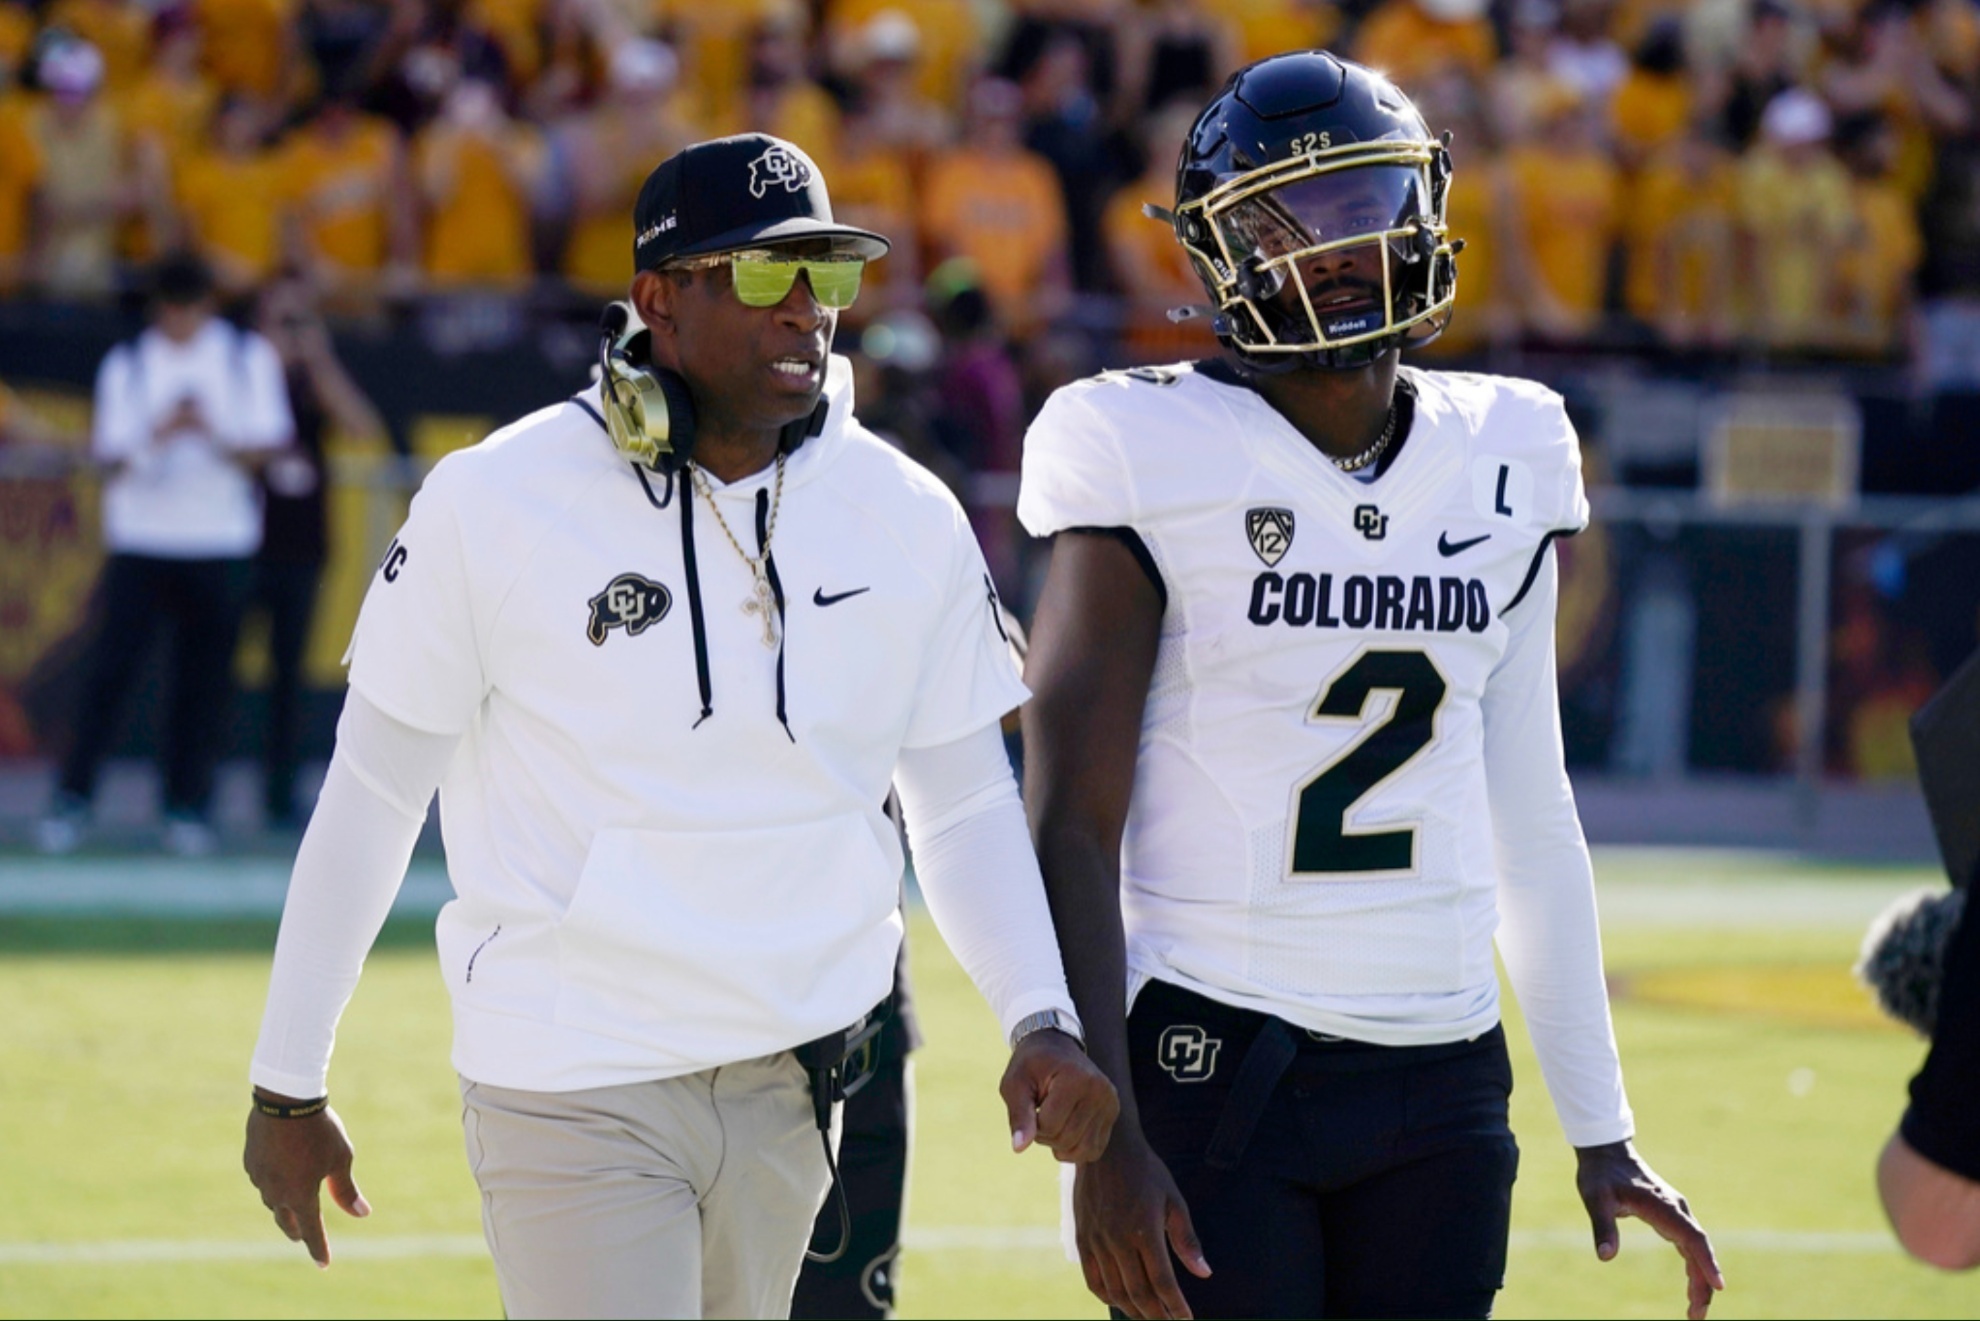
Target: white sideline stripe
(1631,897)
(139,1251)
(181,887)
(1782,1241)
(934,1238)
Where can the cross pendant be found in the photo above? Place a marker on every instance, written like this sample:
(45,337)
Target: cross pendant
(763,602)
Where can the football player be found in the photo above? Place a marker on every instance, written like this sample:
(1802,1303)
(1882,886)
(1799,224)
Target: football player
(1295,752)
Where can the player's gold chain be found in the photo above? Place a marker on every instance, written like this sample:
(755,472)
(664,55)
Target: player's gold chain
(1356,462)
(762,600)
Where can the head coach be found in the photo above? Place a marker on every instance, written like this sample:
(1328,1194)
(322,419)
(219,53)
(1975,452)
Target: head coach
(662,648)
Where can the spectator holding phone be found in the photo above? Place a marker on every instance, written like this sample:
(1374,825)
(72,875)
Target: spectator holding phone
(185,414)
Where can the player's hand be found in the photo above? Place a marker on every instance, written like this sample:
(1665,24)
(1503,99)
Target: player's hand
(1057,1096)
(1613,1182)
(287,1160)
(1129,1215)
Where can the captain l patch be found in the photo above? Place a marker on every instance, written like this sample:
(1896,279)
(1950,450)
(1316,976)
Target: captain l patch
(629,602)
(1271,533)
(1188,1052)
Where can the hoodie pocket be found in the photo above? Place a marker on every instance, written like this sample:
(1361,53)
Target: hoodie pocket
(724,945)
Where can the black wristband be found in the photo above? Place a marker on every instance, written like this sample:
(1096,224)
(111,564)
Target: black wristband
(302,1110)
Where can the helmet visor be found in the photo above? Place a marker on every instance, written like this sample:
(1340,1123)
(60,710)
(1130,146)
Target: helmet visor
(1321,210)
(1326,250)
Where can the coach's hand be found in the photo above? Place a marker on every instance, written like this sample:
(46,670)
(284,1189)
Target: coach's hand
(287,1160)
(1129,1214)
(1057,1096)
(1614,1181)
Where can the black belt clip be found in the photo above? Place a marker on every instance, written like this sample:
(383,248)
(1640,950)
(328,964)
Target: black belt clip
(840,1063)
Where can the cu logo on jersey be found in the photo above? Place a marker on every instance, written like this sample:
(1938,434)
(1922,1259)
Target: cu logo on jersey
(780,166)
(1271,533)
(395,559)
(1187,1052)
(629,602)
(1371,522)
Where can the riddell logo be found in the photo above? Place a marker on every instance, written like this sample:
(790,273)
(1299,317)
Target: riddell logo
(779,165)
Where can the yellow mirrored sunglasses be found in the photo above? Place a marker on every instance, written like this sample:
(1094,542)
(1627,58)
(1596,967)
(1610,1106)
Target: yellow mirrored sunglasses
(764,279)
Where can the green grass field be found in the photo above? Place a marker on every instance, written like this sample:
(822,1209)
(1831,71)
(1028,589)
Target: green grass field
(1762,1081)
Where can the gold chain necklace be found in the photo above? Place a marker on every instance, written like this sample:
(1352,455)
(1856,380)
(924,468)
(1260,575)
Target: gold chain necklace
(1356,462)
(762,599)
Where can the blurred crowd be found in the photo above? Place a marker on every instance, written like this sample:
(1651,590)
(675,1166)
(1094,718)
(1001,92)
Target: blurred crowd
(1775,176)
(1685,182)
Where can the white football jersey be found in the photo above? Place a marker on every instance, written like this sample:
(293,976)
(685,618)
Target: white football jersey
(1351,743)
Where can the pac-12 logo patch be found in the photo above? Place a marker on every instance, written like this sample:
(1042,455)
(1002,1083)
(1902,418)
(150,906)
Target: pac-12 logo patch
(780,166)
(1371,522)
(629,602)
(1188,1052)
(1271,533)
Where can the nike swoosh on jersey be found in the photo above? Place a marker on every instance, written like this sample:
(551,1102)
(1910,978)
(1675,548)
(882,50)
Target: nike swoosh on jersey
(818,596)
(1447,548)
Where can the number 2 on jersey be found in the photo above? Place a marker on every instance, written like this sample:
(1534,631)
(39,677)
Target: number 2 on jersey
(1322,843)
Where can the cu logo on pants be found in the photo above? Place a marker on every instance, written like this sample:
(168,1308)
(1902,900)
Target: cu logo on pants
(1187,1052)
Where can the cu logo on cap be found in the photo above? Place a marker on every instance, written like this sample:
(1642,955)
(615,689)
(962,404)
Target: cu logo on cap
(779,165)
(1187,1052)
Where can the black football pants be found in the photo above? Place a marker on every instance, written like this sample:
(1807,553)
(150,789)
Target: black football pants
(1327,1177)
(200,601)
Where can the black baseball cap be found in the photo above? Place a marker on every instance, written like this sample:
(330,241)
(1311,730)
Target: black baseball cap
(732,193)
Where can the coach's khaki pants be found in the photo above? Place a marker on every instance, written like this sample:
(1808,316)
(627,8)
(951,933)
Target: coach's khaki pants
(687,1197)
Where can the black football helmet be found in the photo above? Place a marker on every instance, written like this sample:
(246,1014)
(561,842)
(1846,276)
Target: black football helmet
(1310,197)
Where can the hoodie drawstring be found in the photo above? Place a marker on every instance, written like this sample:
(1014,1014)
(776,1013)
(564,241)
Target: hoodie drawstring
(776,590)
(693,573)
(694,602)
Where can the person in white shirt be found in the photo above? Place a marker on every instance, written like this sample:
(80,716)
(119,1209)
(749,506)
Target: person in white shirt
(663,648)
(184,416)
(1294,754)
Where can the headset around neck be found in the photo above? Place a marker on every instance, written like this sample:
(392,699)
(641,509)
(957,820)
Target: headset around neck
(649,411)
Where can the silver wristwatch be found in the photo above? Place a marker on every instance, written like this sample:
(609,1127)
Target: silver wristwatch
(1049,1018)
